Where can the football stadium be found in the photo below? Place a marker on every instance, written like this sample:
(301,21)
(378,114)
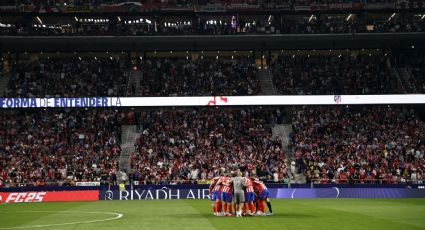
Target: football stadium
(212,114)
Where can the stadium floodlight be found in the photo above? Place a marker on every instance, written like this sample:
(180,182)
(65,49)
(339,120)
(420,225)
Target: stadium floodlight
(349,17)
(39,20)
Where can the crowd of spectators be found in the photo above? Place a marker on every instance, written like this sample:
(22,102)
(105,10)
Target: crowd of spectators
(212,27)
(59,147)
(398,26)
(203,77)
(68,77)
(331,74)
(94,3)
(358,144)
(247,4)
(201,143)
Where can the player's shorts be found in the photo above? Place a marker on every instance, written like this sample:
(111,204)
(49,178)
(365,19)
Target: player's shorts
(226,197)
(239,197)
(215,195)
(264,194)
(249,197)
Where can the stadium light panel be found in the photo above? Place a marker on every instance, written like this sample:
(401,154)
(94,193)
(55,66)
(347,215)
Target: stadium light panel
(39,20)
(349,17)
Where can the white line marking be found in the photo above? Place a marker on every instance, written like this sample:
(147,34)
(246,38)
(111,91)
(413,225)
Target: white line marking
(292,194)
(117,216)
(337,190)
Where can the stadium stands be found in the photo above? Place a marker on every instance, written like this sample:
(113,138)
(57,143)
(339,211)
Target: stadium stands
(139,27)
(331,54)
(331,74)
(203,77)
(414,63)
(197,144)
(68,77)
(59,147)
(358,144)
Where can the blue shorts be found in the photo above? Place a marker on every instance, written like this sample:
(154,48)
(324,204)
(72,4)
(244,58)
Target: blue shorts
(226,197)
(249,197)
(264,194)
(215,195)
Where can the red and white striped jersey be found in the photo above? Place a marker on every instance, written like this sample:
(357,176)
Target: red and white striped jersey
(227,186)
(213,183)
(248,185)
(219,185)
(258,185)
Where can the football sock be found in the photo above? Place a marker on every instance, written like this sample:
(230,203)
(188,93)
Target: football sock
(269,205)
(251,207)
(218,206)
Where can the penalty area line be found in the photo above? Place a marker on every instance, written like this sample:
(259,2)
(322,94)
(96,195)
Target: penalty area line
(117,216)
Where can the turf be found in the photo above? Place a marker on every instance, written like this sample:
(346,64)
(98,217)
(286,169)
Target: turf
(195,214)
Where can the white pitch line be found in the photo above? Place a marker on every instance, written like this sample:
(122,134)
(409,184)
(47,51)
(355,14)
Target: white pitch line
(117,216)
(292,194)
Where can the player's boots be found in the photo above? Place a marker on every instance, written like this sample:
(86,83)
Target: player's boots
(239,214)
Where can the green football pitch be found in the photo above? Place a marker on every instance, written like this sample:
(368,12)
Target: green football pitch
(291,214)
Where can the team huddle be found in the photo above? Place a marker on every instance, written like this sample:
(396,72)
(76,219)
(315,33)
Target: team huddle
(246,195)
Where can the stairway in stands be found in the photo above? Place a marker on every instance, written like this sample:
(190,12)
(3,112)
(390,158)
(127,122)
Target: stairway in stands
(4,81)
(403,78)
(282,132)
(407,80)
(266,82)
(136,76)
(128,139)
